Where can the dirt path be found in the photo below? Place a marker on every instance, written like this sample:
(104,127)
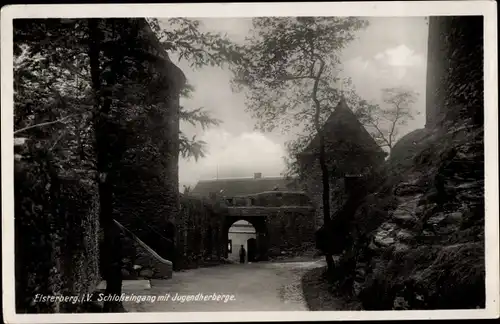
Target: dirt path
(263,286)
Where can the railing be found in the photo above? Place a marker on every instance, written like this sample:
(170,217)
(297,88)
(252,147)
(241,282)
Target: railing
(164,267)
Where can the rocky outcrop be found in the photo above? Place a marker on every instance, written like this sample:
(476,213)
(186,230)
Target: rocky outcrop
(417,240)
(426,246)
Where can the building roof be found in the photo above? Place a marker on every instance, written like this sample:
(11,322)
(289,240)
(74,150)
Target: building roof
(241,186)
(344,127)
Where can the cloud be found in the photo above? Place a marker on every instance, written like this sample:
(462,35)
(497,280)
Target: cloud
(234,156)
(397,66)
(400,56)
(389,53)
(394,66)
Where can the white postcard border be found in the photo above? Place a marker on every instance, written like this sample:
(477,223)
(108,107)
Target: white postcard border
(396,8)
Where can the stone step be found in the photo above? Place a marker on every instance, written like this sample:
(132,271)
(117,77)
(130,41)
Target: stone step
(128,285)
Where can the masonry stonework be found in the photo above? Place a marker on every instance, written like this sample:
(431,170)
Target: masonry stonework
(349,151)
(147,185)
(57,230)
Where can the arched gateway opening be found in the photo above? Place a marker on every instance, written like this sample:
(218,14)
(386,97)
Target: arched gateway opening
(240,234)
(250,232)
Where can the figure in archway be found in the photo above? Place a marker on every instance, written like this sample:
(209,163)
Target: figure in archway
(239,234)
(243,254)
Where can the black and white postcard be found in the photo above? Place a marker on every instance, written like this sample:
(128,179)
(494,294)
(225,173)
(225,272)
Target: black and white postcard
(249,162)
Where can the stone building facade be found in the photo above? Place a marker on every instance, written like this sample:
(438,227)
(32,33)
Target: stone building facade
(283,217)
(351,153)
(283,220)
(199,232)
(57,219)
(454,66)
(147,186)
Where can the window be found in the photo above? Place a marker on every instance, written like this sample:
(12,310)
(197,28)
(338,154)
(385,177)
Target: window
(230,246)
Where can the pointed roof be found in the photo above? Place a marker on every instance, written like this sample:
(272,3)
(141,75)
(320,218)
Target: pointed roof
(343,127)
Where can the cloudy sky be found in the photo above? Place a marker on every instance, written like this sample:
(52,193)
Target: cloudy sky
(390,52)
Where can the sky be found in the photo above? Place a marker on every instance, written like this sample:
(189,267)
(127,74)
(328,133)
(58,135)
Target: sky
(390,52)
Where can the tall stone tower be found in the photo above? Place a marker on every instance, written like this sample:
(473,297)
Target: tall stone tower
(455,70)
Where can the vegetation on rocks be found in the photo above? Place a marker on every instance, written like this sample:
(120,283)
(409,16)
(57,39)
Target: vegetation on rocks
(414,239)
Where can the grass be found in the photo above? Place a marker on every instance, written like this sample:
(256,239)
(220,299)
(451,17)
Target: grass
(320,295)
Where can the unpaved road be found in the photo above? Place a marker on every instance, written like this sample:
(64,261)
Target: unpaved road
(263,286)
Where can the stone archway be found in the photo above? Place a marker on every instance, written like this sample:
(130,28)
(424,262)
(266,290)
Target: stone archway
(260,236)
(239,234)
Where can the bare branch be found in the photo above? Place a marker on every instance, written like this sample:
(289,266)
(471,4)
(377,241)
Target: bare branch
(61,120)
(394,122)
(382,136)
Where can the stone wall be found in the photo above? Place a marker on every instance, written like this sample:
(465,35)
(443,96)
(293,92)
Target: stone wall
(311,176)
(290,229)
(141,261)
(202,225)
(56,194)
(417,241)
(146,189)
(289,219)
(200,237)
(455,82)
(56,232)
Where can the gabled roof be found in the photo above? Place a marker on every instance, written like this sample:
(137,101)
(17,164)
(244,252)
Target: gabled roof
(241,186)
(344,127)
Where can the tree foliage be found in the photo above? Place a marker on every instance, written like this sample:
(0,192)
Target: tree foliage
(185,38)
(49,70)
(290,70)
(191,147)
(88,95)
(384,121)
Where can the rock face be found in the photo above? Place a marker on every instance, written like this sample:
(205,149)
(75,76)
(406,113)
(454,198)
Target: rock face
(418,240)
(428,248)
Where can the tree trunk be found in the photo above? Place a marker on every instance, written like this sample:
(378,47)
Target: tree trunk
(323,165)
(111,247)
(326,199)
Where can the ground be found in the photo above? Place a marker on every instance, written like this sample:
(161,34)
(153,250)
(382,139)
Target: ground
(263,286)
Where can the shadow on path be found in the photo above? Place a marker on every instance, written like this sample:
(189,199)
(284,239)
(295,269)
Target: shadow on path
(319,296)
